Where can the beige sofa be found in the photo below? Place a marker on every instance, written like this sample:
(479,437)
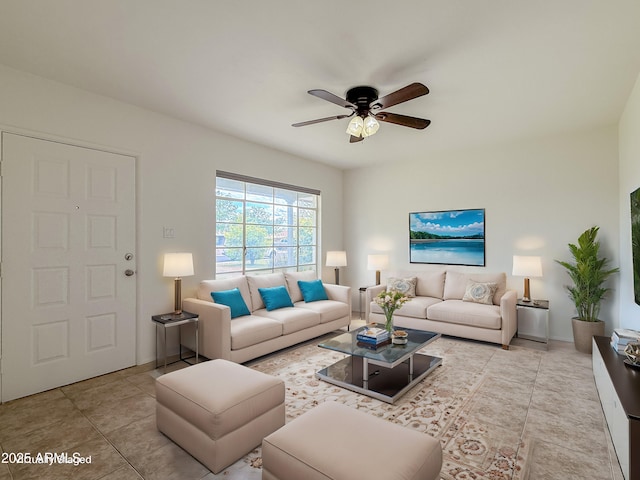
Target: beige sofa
(250,336)
(438,305)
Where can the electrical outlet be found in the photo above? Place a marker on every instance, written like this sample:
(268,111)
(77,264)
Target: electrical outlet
(168,232)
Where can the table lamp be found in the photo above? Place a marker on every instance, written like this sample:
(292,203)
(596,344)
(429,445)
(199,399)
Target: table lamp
(337,259)
(527,266)
(377,262)
(178,265)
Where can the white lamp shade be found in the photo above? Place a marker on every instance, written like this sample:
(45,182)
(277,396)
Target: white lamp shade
(371,126)
(377,262)
(336,259)
(355,126)
(178,265)
(527,266)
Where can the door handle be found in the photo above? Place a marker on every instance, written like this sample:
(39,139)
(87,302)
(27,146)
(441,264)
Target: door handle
(128,272)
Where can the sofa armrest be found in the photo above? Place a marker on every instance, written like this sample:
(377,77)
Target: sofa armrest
(214,327)
(339,293)
(372,292)
(509,316)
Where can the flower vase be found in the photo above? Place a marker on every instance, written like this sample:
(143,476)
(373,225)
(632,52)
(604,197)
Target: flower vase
(389,324)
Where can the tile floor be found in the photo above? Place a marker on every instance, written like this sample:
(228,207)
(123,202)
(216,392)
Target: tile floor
(112,419)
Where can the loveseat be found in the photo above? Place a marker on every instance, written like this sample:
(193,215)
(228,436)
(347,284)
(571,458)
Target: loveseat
(261,328)
(477,306)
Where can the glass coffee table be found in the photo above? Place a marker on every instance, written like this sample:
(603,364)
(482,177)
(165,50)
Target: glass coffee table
(385,373)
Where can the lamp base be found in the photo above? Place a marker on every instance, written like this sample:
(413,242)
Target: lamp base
(337,271)
(527,295)
(178,296)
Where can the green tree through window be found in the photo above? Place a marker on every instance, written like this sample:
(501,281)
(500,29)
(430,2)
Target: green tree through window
(263,226)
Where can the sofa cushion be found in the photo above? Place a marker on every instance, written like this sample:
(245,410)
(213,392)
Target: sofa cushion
(253,329)
(466,313)
(232,299)
(207,286)
(292,319)
(430,284)
(292,282)
(329,310)
(406,286)
(479,292)
(275,297)
(455,284)
(262,281)
(416,307)
(312,290)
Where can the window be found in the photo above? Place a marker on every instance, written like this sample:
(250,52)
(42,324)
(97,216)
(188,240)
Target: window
(264,226)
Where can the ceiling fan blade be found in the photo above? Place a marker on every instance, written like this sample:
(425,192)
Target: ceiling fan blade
(404,120)
(319,120)
(354,139)
(330,97)
(404,94)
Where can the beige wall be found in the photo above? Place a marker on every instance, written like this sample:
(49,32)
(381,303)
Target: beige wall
(539,195)
(629,133)
(176,169)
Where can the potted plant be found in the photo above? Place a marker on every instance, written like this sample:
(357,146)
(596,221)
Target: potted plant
(588,273)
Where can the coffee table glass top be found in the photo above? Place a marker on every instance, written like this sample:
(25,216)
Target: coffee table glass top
(348,343)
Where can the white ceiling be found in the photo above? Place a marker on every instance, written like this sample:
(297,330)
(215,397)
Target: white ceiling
(498,70)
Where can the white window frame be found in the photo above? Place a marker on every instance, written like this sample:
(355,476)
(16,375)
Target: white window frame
(282,249)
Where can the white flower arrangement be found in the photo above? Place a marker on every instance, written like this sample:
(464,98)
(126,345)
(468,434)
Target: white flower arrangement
(390,301)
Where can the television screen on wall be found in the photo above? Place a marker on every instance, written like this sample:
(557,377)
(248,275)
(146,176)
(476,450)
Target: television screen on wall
(449,237)
(635,242)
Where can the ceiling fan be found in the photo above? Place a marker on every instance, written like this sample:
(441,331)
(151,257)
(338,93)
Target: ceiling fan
(365,109)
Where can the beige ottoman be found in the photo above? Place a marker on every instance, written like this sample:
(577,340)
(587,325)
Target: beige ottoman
(219,411)
(333,441)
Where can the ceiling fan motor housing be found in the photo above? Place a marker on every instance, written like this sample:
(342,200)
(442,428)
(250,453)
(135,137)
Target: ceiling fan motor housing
(362,97)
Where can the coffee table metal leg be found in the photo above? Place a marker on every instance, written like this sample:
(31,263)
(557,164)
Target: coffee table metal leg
(365,374)
(411,368)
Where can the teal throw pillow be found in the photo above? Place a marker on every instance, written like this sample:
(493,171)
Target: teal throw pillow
(232,299)
(312,290)
(275,297)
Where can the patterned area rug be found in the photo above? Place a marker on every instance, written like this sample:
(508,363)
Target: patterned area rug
(438,406)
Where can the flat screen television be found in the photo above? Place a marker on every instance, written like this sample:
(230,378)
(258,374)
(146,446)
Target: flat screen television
(635,242)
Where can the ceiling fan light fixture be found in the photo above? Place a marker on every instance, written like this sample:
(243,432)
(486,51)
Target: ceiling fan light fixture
(371,126)
(355,126)
(365,108)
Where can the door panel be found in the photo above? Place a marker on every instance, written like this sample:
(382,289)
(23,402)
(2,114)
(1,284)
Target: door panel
(68,221)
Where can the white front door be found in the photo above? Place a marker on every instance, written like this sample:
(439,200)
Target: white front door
(68,239)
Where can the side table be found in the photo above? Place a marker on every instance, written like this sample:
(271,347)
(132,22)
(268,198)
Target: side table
(363,292)
(533,320)
(168,320)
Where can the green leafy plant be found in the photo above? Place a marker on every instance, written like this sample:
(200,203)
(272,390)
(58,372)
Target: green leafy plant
(588,273)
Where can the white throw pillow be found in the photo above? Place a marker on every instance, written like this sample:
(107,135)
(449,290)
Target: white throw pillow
(479,292)
(406,286)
